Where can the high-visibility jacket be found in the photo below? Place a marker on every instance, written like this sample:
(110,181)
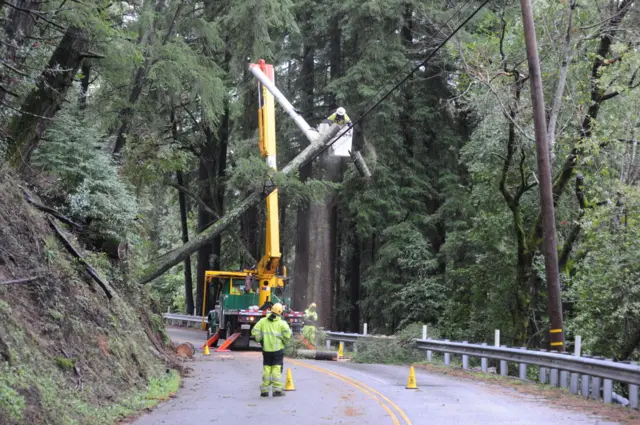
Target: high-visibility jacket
(311,315)
(334,118)
(274,333)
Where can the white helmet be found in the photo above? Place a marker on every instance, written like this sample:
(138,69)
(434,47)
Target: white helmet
(340,111)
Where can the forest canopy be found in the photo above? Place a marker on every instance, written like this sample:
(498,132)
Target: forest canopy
(138,119)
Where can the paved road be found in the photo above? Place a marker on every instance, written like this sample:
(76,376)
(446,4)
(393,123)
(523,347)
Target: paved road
(223,389)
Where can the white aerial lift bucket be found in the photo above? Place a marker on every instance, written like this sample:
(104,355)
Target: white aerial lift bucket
(341,144)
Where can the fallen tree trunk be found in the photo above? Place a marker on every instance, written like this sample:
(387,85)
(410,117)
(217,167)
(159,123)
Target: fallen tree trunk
(207,235)
(63,218)
(317,355)
(19,281)
(103,284)
(361,166)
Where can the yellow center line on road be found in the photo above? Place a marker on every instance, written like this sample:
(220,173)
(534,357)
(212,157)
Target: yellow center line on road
(364,388)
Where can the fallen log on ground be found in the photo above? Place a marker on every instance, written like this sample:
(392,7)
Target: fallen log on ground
(63,218)
(103,284)
(317,355)
(207,235)
(19,281)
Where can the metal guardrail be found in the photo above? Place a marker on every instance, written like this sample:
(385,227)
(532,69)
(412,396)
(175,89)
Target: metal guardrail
(175,317)
(585,375)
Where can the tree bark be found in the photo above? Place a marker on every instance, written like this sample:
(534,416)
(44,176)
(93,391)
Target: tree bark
(207,235)
(45,100)
(406,34)
(84,84)
(212,194)
(322,234)
(18,26)
(188,278)
(301,267)
(303,239)
(354,280)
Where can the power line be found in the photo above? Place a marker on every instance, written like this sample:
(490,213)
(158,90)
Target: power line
(453,15)
(413,71)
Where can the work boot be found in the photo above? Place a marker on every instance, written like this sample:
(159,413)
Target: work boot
(264,394)
(278,394)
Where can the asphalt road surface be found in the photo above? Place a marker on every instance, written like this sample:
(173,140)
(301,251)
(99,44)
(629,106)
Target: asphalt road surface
(223,389)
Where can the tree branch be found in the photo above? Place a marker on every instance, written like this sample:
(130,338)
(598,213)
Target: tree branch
(562,79)
(37,14)
(51,211)
(90,270)
(206,236)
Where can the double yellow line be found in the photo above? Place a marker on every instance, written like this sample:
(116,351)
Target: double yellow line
(382,400)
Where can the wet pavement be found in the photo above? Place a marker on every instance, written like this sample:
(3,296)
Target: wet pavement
(223,389)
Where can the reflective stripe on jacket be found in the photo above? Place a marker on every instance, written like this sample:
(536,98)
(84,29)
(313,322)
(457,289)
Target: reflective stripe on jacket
(274,333)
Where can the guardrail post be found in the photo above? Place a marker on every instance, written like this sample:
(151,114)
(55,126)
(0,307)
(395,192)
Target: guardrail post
(595,387)
(584,385)
(465,359)
(607,394)
(364,329)
(542,373)
(553,377)
(633,396)
(328,342)
(564,379)
(504,369)
(523,368)
(484,362)
(574,376)
(429,355)
(447,356)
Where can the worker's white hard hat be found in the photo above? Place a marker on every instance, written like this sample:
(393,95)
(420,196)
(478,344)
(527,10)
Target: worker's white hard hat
(341,111)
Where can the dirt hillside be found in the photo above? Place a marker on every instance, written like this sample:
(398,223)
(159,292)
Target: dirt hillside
(68,354)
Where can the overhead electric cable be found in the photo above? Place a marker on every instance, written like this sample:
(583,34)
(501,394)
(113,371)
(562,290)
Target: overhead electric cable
(395,87)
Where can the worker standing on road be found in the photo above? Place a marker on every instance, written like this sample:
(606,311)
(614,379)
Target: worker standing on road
(310,322)
(272,333)
(339,117)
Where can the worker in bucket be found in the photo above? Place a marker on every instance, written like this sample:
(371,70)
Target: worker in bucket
(310,322)
(272,333)
(339,117)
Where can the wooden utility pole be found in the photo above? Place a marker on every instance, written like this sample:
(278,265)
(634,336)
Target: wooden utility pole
(549,242)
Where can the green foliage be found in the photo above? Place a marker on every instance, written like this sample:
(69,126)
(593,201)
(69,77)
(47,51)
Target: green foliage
(403,350)
(87,183)
(603,289)
(12,403)
(64,363)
